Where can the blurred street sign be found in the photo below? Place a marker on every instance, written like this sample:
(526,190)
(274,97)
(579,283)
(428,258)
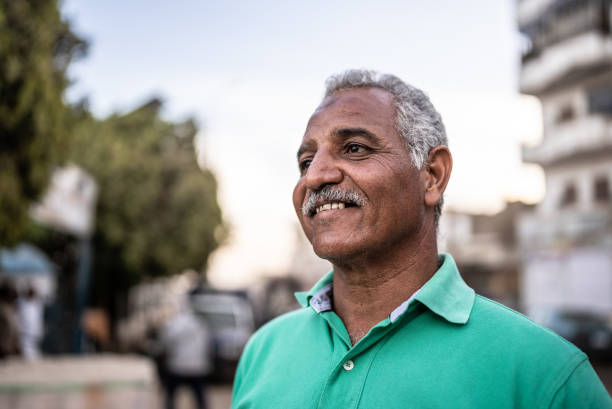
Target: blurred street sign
(69,203)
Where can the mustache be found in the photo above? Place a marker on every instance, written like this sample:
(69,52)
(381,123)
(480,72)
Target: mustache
(331,194)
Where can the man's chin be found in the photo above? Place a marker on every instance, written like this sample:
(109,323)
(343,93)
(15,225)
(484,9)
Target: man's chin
(334,251)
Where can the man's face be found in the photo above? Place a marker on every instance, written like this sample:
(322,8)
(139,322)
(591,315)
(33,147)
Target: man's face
(351,146)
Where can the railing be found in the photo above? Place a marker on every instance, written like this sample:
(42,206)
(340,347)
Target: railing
(564,19)
(565,229)
(579,137)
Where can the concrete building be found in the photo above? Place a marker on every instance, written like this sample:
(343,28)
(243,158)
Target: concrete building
(566,243)
(485,249)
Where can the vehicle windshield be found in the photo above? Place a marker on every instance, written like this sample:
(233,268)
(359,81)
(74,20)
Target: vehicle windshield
(220,319)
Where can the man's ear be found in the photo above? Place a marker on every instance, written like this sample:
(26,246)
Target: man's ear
(437,171)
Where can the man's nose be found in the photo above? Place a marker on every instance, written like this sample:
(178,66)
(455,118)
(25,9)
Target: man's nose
(323,170)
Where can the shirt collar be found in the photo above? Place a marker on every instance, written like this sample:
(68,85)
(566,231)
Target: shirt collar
(445,294)
(325,284)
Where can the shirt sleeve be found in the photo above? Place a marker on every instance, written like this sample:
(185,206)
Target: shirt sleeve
(583,389)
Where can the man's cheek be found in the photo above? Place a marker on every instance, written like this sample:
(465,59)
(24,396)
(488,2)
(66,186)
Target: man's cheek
(306,227)
(298,199)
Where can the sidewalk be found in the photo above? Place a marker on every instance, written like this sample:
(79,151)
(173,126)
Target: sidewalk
(89,382)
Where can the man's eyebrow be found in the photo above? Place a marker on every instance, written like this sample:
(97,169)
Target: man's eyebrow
(344,133)
(303,148)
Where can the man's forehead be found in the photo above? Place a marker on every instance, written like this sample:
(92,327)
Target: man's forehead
(357,98)
(354,103)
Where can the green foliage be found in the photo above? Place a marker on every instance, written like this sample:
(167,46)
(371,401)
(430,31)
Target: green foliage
(157,209)
(36,47)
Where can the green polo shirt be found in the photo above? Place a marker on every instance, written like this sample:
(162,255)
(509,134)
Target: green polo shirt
(444,348)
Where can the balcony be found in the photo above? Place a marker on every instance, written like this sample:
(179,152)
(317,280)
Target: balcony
(575,57)
(530,10)
(565,229)
(583,136)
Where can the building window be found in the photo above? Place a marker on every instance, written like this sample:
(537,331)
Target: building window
(606,14)
(566,114)
(569,195)
(602,189)
(600,100)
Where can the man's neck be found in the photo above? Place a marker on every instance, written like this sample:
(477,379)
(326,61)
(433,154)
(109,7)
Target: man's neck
(366,295)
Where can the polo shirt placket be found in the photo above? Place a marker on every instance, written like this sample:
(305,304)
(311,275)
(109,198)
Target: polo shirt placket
(345,383)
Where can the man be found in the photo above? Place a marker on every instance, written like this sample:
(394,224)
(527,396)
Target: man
(31,328)
(185,347)
(394,325)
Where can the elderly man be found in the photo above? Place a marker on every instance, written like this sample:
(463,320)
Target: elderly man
(393,325)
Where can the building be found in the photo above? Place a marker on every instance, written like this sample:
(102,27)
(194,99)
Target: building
(485,249)
(566,243)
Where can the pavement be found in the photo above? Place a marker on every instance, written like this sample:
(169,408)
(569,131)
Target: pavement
(91,382)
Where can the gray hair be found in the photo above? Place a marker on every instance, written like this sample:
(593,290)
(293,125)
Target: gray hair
(416,119)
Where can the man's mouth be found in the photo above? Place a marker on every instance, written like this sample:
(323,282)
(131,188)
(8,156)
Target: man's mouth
(331,198)
(330,206)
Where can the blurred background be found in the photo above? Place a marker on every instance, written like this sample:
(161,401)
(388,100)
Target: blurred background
(147,159)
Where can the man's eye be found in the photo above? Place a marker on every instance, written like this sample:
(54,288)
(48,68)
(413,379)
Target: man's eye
(304,164)
(355,148)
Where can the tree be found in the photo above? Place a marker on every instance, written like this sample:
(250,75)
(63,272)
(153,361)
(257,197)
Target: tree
(36,48)
(157,209)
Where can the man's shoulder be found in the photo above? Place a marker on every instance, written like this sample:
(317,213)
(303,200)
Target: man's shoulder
(505,326)
(537,356)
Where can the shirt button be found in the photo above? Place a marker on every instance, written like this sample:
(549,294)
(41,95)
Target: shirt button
(348,365)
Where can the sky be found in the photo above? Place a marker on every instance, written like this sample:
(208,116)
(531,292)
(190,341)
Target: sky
(251,74)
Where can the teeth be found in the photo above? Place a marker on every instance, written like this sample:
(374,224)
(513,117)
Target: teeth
(329,206)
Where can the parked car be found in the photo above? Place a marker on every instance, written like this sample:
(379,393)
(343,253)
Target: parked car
(590,332)
(230,318)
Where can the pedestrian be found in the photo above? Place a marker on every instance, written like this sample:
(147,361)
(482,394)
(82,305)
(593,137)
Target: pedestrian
(186,350)
(30,309)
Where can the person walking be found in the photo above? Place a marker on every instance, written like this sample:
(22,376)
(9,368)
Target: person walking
(186,345)
(30,309)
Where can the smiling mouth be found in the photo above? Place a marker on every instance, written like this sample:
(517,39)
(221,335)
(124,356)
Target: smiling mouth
(331,198)
(332,206)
